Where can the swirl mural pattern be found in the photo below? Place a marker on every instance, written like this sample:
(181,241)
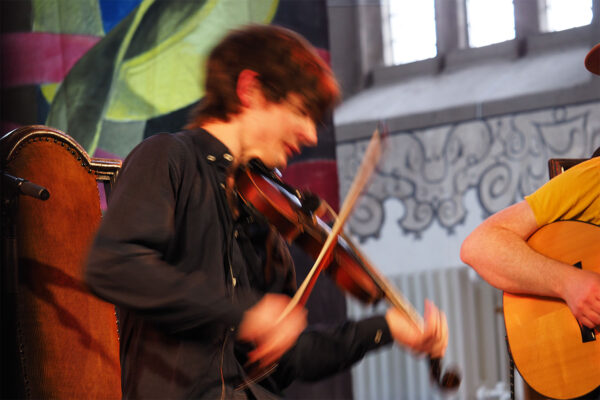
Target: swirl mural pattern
(429,171)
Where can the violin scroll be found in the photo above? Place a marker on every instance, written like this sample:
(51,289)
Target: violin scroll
(449,380)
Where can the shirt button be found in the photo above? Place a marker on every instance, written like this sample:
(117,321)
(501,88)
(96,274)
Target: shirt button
(228,157)
(210,157)
(233,281)
(378,336)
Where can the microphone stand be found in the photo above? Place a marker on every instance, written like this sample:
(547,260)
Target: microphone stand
(11,188)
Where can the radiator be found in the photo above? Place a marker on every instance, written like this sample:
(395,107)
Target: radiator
(476,341)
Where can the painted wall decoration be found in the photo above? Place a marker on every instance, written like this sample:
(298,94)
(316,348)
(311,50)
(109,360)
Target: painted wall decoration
(430,171)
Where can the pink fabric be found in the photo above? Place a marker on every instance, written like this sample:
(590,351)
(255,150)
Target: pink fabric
(33,57)
(318,176)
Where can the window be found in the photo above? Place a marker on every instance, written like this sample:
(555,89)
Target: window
(490,21)
(409,26)
(566,14)
(411,31)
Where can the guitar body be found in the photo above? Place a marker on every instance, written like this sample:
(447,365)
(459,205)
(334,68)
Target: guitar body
(552,353)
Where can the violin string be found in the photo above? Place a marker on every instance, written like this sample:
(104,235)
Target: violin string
(331,211)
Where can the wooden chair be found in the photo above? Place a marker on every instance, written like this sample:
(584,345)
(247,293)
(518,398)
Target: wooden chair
(559,165)
(58,340)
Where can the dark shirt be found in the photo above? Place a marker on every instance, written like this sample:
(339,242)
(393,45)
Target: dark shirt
(182,272)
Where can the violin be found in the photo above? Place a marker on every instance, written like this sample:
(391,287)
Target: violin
(297,216)
(286,209)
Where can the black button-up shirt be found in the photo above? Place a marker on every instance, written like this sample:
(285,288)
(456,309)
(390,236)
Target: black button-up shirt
(182,272)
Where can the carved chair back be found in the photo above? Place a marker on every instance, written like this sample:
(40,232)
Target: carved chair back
(60,341)
(559,165)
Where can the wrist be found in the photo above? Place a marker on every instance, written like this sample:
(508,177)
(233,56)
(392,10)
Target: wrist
(565,277)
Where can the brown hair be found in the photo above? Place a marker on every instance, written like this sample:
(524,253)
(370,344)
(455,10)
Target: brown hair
(285,63)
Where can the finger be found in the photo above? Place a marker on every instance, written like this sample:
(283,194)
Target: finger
(587,322)
(430,309)
(262,356)
(446,333)
(268,351)
(281,343)
(593,316)
(429,316)
(440,348)
(437,328)
(437,331)
(265,351)
(431,332)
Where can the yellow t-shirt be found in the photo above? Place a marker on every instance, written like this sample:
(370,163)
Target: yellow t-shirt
(572,195)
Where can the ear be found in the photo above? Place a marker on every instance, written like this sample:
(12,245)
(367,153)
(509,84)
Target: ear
(247,87)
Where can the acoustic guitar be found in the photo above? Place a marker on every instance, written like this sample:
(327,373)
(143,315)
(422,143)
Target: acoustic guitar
(555,355)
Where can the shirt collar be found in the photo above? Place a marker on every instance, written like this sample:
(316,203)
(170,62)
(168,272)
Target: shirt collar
(214,150)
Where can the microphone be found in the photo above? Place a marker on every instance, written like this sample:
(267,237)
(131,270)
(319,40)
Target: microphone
(25,187)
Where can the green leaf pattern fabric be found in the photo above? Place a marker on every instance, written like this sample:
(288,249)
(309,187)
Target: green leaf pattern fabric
(148,65)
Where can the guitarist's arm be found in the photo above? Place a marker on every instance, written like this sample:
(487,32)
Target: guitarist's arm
(498,251)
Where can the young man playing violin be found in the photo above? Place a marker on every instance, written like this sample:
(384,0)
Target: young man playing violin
(200,284)
(498,249)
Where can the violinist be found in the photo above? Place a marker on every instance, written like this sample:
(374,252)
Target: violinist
(200,284)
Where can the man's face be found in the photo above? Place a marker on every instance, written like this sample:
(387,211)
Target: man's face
(286,127)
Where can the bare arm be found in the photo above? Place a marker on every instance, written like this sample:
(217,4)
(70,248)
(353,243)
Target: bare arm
(498,251)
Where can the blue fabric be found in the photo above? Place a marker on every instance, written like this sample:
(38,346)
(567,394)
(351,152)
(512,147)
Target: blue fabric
(113,11)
